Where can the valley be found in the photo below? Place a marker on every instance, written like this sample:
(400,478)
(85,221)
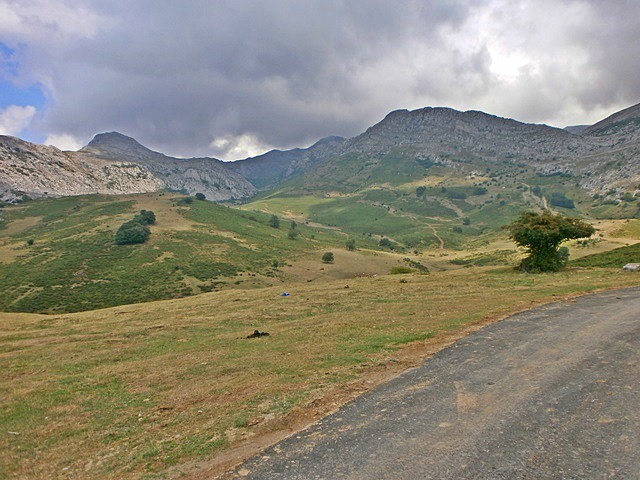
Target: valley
(132,360)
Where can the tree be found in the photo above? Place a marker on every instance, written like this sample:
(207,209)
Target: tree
(350,244)
(132,232)
(541,234)
(274,221)
(327,257)
(292,234)
(145,217)
(420,191)
(200,196)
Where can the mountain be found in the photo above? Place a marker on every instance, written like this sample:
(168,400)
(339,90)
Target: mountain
(111,163)
(269,169)
(38,170)
(190,175)
(606,156)
(631,114)
(602,160)
(576,129)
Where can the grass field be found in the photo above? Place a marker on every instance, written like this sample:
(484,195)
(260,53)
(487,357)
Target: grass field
(146,390)
(74,265)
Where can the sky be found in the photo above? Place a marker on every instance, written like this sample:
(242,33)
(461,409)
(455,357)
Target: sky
(232,79)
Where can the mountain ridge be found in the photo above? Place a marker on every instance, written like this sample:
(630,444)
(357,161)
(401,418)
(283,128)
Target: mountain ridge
(602,157)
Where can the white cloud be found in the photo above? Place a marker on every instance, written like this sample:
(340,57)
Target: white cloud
(14,119)
(252,74)
(236,148)
(64,141)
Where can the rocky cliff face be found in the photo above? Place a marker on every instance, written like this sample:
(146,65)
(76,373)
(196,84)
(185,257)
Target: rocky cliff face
(110,164)
(38,170)
(190,175)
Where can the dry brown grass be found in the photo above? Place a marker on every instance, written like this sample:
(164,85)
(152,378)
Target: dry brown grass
(145,389)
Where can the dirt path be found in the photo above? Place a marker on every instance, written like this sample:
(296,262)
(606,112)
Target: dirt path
(435,234)
(548,393)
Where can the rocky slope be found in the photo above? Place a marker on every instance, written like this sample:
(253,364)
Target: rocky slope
(111,163)
(38,170)
(603,157)
(191,175)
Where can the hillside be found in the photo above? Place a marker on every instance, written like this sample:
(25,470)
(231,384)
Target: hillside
(110,164)
(59,255)
(192,175)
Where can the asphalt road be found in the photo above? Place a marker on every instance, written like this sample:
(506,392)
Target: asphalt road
(551,393)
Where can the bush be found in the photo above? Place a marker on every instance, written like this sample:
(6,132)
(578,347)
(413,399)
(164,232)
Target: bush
(200,196)
(132,232)
(30,241)
(145,217)
(561,200)
(385,242)
(292,234)
(401,270)
(274,221)
(350,244)
(327,257)
(420,191)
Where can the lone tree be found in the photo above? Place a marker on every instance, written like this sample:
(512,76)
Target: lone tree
(350,244)
(200,196)
(327,257)
(274,221)
(541,234)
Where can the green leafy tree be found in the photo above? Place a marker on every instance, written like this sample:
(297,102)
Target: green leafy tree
(132,232)
(274,221)
(327,257)
(145,217)
(541,234)
(292,234)
(350,244)
(200,196)
(420,190)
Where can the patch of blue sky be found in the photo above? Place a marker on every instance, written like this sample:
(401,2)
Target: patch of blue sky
(12,92)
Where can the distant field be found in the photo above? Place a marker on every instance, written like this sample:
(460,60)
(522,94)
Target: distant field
(141,391)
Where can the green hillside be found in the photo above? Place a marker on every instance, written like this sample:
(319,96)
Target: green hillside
(612,259)
(59,255)
(421,204)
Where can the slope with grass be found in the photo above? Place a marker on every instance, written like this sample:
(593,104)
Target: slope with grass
(146,390)
(59,255)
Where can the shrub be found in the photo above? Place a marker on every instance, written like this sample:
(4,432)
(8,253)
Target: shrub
(401,270)
(561,200)
(30,241)
(132,232)
(200,196)
(292,234)
(420,191)
(350,244)
(327,257)
(385,242)
(274,221)
(145,217)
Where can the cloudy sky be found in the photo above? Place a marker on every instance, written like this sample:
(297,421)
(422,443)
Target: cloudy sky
(236,78)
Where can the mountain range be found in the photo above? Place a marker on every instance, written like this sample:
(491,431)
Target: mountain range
(602,159)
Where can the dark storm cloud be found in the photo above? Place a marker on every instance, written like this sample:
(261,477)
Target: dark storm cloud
(231,77)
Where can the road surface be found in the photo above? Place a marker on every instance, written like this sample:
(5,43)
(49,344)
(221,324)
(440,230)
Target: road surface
(551,393)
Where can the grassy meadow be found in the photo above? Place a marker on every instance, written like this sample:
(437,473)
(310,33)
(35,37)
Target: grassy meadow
(131,361)
(143,391)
